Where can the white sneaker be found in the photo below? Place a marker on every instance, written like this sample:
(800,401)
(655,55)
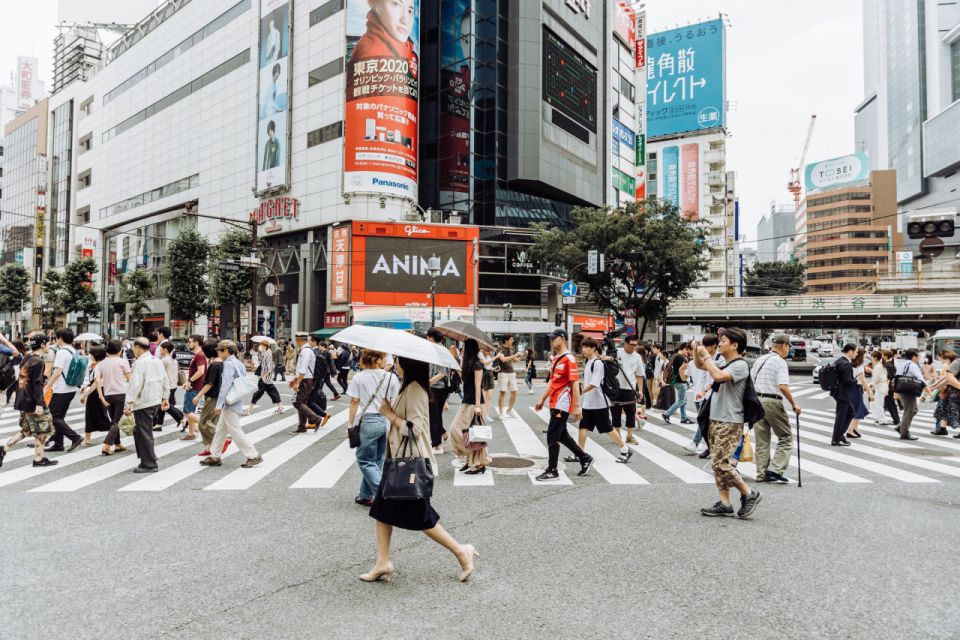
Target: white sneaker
(530,393)
(513,414)
(702,446)
(494,411)
(279,409)
(690,448)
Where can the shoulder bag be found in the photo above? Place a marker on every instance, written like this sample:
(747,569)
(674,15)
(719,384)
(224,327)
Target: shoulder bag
(353,432)
(242,385)
(907,385)
(478,434)
(407,477)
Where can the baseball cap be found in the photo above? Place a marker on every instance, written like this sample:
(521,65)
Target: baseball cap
(37,341)
(780,338)
(558,333)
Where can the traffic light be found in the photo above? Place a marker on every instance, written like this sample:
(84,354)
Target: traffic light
(942,228)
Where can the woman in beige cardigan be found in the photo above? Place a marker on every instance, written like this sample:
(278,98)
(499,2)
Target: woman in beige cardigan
(411,407)
(474,454)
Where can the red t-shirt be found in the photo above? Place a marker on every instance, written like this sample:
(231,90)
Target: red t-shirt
(563,375)
(199,360)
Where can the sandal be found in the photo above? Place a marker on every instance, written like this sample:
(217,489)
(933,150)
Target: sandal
(119,448)
(106,451)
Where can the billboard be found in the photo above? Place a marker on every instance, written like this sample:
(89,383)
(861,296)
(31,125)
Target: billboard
(624,25)
(382,98)
(389,265)
(456,57)
(273,96)
(686,79)
(641,61)
(690,181)
(340,264)
(569,81)
(670,172)
(26,78)
(828,174)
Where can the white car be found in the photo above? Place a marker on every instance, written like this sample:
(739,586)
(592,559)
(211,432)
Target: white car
(826,350)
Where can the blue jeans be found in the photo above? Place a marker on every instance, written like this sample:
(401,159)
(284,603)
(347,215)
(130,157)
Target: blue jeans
(371,453)
(680,388)
(189,406)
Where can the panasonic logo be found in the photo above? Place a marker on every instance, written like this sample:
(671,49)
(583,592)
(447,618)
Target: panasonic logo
(377,182)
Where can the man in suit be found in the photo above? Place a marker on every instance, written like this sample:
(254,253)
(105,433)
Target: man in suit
(844,394)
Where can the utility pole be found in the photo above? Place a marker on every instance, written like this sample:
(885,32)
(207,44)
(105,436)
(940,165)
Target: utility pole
(253,282)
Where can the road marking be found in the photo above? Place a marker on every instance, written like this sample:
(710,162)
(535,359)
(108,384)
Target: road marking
(11,424)
(685,471)
(891,439)
(127,463)
(821,396)
(25,447)
(169,476)
(524,439)
(328,471)
(245,478)
(461,479)
(867,465)
(826,425)
(802,392)
(29,471)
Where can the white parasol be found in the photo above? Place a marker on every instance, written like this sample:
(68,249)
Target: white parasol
(89,337)
(398,343)
(267,339)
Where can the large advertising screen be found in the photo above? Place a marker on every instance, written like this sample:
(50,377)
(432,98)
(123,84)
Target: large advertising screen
(389,265)
(569,81)
(273,91)
(456,55)
(382,97)
(686,79)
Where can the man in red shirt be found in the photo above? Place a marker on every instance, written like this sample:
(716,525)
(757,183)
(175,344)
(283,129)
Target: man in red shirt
(564,394)
(195,374)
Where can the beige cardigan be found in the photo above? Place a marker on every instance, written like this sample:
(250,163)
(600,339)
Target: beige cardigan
(412,404)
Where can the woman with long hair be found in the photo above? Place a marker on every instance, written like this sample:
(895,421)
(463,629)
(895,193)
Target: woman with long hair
(486,382)
(889,402)
(367,391)
(947,413)
(531,370)
(859,407)
(411,410)
(880,384)
(474,453)
(95,413)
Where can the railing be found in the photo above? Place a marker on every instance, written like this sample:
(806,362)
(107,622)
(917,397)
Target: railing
(897,304)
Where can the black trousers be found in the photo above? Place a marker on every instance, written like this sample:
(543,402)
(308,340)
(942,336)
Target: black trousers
(327,383)
(437,400)
(59,405)
(626,402)
(317,400)
(300,404)
(278,371)
(115,411)
(842,420)
(173,412)
(342,378)
(557,434)
(890,405)
(265,388)
(11,389)
(143,436)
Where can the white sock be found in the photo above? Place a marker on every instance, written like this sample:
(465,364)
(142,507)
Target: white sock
(624,449)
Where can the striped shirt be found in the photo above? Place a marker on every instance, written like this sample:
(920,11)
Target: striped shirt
(769,372)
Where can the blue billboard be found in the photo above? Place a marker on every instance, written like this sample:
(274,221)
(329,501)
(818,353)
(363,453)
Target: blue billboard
(686,83)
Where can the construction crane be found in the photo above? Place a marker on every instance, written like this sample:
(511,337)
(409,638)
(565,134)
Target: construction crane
(794,185)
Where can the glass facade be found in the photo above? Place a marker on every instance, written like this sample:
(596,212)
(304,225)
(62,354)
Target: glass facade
(61,161)
(955,70)
(906,93)
(145,248)
(20,181)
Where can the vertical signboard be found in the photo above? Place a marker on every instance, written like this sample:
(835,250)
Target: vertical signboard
(26,77)
(382,98)
(88,246)
(690,181)
(273,90)
(686,79)
(641,60)
(340,265)
(625,26)
(456,58)
(670,170)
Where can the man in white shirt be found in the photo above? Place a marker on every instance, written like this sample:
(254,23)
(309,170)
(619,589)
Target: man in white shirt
(596,407)
(771,379)
(909,367)
(630,380)
(146,393)
(302,384)
(63,393)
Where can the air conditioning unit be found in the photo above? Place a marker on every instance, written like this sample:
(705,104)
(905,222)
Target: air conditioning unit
(412,215)
(435,216)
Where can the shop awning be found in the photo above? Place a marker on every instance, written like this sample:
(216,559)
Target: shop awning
(325,333)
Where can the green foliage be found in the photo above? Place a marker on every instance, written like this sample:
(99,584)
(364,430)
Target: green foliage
(136,287)
(230,287)
(52,287)
(651,254)
(185,268)
(14,287)
(77,291)
(775,279)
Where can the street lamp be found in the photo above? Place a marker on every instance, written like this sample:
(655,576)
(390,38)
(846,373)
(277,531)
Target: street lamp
(433,269)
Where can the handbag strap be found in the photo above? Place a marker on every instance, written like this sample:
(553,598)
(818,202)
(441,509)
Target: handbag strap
(371,398)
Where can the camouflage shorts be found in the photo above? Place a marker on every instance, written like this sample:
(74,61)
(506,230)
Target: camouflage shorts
(33,425)
(724,439)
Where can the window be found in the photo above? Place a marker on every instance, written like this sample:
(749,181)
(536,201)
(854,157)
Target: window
(84,180)
(324,11)
(83,215)
(325,134)
(86,107)
(327,71)
(85,143)
(159,193)
(955,69)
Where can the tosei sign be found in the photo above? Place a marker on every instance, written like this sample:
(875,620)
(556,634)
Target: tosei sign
(390,261)
(835,172)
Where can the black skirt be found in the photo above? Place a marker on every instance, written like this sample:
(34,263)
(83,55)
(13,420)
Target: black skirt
(95,415)
(415,515)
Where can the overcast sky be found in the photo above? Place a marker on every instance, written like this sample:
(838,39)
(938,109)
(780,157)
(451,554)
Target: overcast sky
(786,59)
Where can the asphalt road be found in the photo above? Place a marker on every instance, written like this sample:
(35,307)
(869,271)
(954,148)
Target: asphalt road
(86,557)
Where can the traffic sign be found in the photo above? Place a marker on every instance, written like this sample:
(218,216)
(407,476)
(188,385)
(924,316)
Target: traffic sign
(631,331)
(592,260)
(229,266)
(569,289)
(569,299)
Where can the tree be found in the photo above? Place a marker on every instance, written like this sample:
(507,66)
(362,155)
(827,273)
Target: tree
(136,287)
(230,287)
(51,285)
(14,287)
(77,294)
(185,267)
(775,279)
(652,255)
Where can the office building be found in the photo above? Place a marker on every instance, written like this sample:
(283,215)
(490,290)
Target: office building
(775,227)
(851,239)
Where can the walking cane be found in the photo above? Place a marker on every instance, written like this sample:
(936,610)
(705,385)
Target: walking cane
(799,478)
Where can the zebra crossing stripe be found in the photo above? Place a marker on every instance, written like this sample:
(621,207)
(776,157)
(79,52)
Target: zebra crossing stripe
(804,392)
(527,443)
(12,423)
(29,471)
(667,461)
(826,425)
(461,479)
(866,465)
(126,463)
(246,478)
(890,433)
(328,471)
(821,396)
(168,476)
(25,449)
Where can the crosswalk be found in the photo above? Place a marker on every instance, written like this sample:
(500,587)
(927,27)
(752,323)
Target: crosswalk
(323,460)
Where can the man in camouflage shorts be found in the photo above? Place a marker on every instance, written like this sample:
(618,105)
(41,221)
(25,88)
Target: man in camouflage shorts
(35,420)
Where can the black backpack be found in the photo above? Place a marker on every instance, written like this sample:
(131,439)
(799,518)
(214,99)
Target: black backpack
(7,376)
(752,407)
(610,387)
(320,367)
(829,377)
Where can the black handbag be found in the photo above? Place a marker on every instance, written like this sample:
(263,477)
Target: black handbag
(908,386)
(406,477)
